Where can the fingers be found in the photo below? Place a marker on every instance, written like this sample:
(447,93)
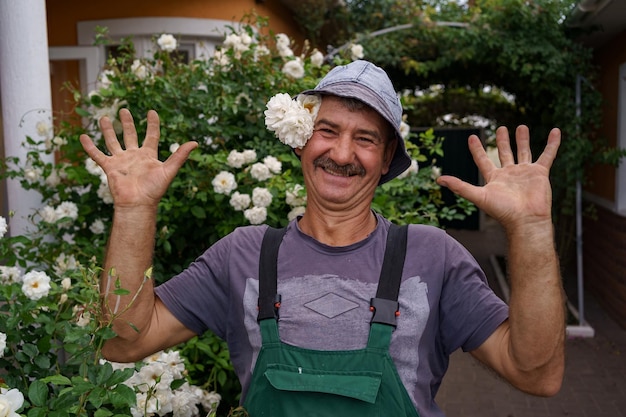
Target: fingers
(128,127)
(549,153)
(178,158)
(522,138)
(503,143)
(92,150)
(461,188)
(153,131)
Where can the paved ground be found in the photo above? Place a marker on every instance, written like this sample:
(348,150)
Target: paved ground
(595,375)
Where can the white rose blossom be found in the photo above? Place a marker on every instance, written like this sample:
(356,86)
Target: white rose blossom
(295,212)
(412,169)
(224,183)
(294,69)
(97,227)
(317,58)
(67,209)
(10,275)
(167,42)
(239,201)
(261,197)
(256,215)
(235,159)
(260,172)
(104,80)
(104,192)
(249,156)
(139,69)
(48,214)
(174,147)
(3,226)
(356,52)
(10,401)
(293,198)
(3,345)
(35,284)
(273,164)
(292,120)
(405,129)
(66,284)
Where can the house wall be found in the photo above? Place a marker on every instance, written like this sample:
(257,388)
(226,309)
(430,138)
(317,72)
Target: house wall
(604,242)
(64,14)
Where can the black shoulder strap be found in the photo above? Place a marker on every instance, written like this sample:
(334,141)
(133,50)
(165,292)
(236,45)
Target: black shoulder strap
(269,300)
(385,306)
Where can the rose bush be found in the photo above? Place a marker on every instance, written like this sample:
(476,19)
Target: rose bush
(50,338)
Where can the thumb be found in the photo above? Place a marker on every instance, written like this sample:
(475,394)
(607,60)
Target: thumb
(178,158)
(461,188)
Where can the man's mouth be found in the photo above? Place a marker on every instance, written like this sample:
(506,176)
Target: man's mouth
(331,167)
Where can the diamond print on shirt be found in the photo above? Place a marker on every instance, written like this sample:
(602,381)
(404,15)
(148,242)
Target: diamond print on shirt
(331,305)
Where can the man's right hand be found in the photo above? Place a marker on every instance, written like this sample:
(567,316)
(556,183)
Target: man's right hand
(135,175)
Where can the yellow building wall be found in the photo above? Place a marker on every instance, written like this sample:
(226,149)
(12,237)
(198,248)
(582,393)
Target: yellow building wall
(64,14)
(608,58)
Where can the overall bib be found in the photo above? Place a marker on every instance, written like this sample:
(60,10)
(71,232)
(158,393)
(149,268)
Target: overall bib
(289,381)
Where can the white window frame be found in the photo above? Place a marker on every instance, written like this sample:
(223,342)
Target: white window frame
(198,36)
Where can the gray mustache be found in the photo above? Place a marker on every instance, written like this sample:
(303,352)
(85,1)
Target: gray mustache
(345,170)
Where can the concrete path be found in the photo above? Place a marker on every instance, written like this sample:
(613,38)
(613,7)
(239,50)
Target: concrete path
(595,375)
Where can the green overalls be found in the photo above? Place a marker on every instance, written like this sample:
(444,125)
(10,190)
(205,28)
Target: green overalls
(289,381)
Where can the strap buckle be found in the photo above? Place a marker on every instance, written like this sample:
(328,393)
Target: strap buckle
(385,311)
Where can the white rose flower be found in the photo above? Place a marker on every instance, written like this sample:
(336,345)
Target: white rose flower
(293,198)
(256,215)
(282,41)
(239,201)
(67,209)
(260,172)
(249,156)
(93,168)
(35,284)
(295,212)
(104,192)
(66,283)
(167,42)
(356,52)
(3,226)
(317,58)
(273,164)
(32,174)
(10,274)
(435,172)
(3,346)
(261,197)
(97,227)
(224,183)
(43,128)
(412,169)
(235,159)
(53,179)
(174,147)
(261,51)
(139,69)
(104,80)
(311,103)
(220,58)
(65,263)
(10,401)
(48,214)
(405,129)
(289,120)
(293,69)
(83,319)
(210,400)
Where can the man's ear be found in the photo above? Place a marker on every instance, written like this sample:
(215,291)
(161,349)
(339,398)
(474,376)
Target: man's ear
(298,151)
(390,151)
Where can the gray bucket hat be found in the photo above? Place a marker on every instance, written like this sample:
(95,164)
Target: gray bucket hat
(370,84)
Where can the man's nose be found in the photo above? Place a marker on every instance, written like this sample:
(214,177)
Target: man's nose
(343,150)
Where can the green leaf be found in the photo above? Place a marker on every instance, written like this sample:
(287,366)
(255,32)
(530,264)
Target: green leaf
(38,393)
(198,212)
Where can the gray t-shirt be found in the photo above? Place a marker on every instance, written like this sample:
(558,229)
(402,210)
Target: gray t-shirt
(445,302)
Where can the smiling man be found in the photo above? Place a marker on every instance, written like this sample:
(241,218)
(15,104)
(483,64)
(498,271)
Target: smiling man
(343,313)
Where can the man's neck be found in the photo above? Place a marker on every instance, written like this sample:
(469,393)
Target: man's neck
(338,229)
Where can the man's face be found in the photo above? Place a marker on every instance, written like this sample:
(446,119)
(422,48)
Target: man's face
(344,159)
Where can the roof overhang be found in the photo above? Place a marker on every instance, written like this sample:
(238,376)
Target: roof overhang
(608,16)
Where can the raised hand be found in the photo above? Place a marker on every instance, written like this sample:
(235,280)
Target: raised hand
(135,175)
(517,194)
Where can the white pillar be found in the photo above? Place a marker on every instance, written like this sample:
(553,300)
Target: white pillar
(26,96)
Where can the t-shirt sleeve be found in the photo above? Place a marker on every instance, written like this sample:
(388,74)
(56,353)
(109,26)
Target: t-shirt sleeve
(469,309)
(198,296)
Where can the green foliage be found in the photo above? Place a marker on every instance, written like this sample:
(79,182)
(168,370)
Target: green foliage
(217,101)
